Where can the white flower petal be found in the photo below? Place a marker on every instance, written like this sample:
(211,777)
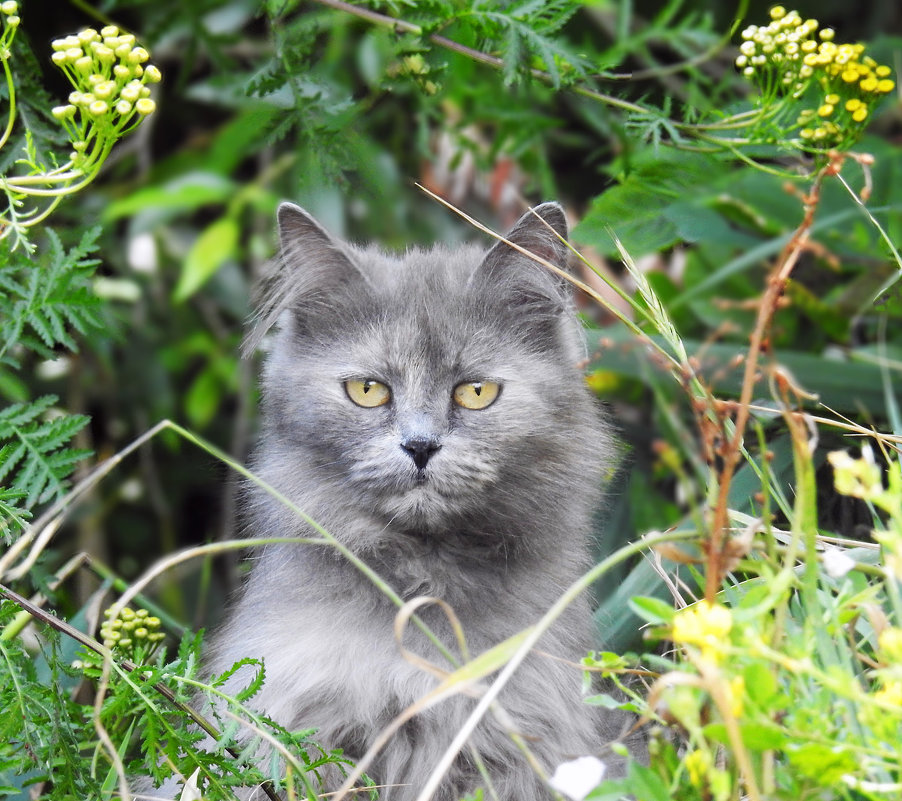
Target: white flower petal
(836,563)
(577,778)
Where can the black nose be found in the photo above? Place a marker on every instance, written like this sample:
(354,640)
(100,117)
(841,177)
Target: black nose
(420,450)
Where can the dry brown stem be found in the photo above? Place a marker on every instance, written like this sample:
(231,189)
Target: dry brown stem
(730,451)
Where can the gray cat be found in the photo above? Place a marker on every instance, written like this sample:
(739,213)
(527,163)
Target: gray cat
(428,411)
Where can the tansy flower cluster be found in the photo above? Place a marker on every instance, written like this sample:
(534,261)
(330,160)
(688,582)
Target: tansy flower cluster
(109,74)
(133,634)
(791,57)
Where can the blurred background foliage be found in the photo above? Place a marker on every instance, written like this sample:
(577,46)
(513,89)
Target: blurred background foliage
(273,100)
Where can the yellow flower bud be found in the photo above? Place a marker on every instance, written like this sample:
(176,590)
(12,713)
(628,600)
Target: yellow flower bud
(825,110)
(853,104)
(886,85)
(152,74)
(59,58)
(827,34)
(104,54)
(849,75)
(122,72)
(123,107)
(834,99)
(87,36)
(882,71)
(777,12)
(138,56)
(84,64)
(74,53)
(109,30)
(10,7)
(860,114)
(145,106)
(63,112)
(104,90)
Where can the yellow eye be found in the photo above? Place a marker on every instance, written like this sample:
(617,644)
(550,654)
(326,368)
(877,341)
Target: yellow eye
(476,394)
(367,392)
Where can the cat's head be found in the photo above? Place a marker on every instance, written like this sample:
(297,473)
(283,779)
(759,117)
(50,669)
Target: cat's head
(436,390)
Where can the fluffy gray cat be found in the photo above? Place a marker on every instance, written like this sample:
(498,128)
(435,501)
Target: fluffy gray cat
(428,411)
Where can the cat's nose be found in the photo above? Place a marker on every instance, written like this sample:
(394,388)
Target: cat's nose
(420,450)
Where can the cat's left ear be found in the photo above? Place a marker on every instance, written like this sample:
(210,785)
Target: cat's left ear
(541,231)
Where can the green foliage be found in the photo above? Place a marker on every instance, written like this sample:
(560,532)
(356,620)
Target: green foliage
(41,303)
(33,456)
(49,736)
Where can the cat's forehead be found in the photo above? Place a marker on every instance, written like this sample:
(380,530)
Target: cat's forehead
(420,309)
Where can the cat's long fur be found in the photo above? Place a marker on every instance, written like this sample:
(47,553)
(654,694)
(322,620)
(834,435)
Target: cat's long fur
(496,524)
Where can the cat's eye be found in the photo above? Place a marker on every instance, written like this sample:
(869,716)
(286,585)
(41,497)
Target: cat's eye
(367,392)
(476,394)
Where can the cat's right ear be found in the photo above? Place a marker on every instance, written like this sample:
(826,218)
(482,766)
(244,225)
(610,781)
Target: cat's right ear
(311,268)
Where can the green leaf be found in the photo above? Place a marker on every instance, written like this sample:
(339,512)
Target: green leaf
(636,210)
(216,243)
(756,736)
(825,764)
(34,453)
(202,399)
(652,610)
(185,193)
(51,299)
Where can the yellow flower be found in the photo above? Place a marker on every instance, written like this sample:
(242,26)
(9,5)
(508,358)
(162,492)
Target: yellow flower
(697,763)
(860,114)
(890,642)
(891,694)
(704,625)
(886,85)
(825,110)
(737,695)
(869,84)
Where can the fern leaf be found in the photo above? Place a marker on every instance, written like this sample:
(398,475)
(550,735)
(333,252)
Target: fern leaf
(34,453)
(41,304)
(13,518)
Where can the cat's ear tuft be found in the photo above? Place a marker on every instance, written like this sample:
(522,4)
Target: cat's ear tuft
(541,232)
(311,268)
